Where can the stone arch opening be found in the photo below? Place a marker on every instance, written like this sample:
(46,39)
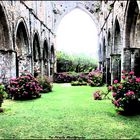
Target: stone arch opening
(104,60)
(22,49)
(108,44)
(77,39)
(7,63)
(77,6)
(52,58)
(45,57)
(116,53)
(108,65)
(4,31)
(132,42)
(131,19)
(117,38)
(36,55)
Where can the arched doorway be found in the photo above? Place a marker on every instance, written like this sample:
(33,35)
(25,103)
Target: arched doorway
(52,57)
(108,50)
(77,34)
(104,60)
(132,42)
(46,58)
(116,55)
(22,49)
(36,55)
(117,38)
(7,63)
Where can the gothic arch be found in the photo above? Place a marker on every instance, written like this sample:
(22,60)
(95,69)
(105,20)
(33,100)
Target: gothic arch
(52,53)
(132,33)
(108,43)
(79,6)
(132,12)
(52,58)
(104,59)
(22,38)
(7,62)
(36,47)
(36,54)
(45,50)
(104,49)
(22,47)
(117,37)
(45,57)
(5,37)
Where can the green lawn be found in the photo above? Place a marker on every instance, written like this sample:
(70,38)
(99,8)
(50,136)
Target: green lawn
(66,112)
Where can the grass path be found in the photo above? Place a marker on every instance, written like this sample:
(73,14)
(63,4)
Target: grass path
(66,112)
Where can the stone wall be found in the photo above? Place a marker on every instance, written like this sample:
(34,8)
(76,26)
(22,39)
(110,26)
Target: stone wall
(28,28)
(24,27)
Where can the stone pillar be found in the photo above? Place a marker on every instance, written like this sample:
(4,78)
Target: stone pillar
(126,64)
(42,67)
(48,68)
(108,74)
(104,72)
(135,60)
(115,67)
(100,66)
(132,61)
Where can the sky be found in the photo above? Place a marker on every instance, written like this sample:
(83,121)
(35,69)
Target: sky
(77,33)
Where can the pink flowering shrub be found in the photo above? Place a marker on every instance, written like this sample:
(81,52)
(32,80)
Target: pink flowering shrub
(126,94)
(46,83)
(95,78)
(97,95)
(24,87)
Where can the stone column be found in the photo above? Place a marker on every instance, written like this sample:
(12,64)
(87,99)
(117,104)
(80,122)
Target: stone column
(115,67)
(100,66)
(42,67)
(48,68)
(108,74)
(132,60)
(126,64)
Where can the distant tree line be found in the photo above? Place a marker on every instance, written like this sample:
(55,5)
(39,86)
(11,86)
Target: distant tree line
(75,63)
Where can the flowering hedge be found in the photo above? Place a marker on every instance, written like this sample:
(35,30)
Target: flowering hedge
(65,77)
(46,83)
(95,78)
(126,94)
(24,87)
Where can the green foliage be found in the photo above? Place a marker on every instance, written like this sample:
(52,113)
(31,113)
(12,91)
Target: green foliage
(45,82)
(77,63)
(78,83)
(3,94)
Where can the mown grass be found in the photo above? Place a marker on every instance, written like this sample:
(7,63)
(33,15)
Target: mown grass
(64,113)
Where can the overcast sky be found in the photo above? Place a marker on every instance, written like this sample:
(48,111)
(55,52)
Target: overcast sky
(77,33)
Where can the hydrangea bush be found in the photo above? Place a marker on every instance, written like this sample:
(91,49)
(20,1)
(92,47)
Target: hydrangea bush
(126,94)
(46,83)
(24,87)
(95,78)
(65,77)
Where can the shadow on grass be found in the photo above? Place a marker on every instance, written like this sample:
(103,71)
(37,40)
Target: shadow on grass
(128,112)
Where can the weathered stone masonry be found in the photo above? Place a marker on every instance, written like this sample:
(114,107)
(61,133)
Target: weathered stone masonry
(28,28)
(26,38)
(121,32)
(118,25)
